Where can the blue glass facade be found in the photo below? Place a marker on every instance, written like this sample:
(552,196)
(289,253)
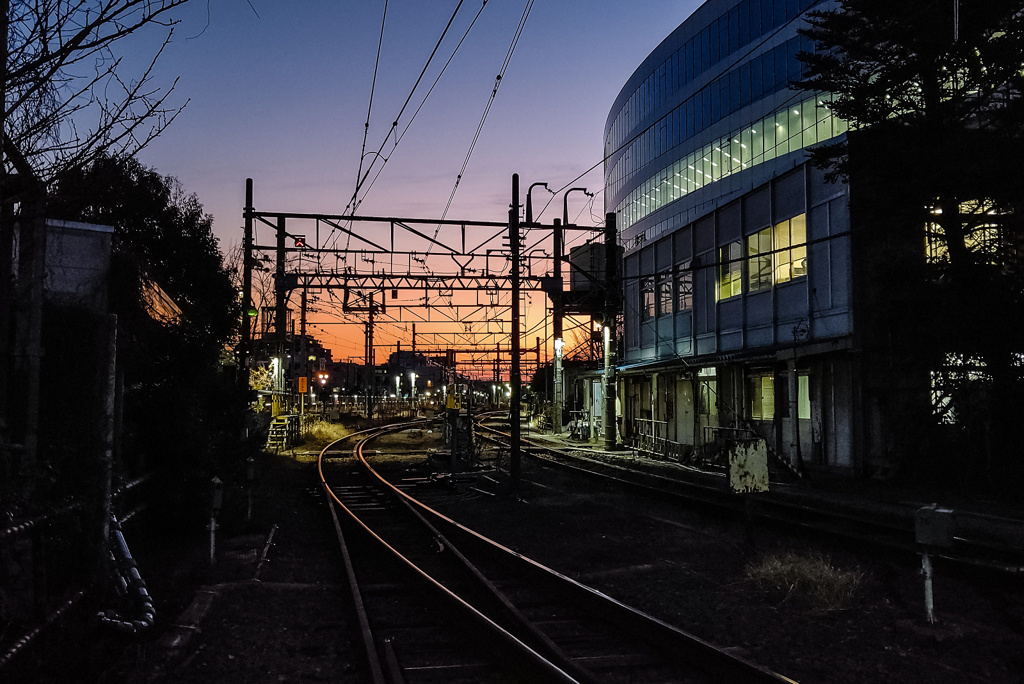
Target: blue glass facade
(736,252)
(736,29)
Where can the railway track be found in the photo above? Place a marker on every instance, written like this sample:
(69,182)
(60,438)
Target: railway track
(989,542)
(438,602)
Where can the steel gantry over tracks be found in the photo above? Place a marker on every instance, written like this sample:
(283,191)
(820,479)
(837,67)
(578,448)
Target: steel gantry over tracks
(452,273)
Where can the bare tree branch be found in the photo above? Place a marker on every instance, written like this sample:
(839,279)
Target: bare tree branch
(67,95)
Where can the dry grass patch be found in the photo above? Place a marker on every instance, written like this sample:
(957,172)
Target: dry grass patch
(321,433)
(811,580)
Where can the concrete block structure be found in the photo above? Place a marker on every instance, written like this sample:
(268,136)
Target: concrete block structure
(738,268)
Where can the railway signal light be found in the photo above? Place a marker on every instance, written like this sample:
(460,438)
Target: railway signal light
(300,241)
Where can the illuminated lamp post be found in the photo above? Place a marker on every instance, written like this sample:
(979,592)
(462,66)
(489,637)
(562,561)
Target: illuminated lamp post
(556,418)
(557,399)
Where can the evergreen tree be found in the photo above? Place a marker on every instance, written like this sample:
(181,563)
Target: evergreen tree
(181,412)
(932,94)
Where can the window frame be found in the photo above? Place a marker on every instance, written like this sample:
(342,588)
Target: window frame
(664,299)
(729,282)
(684,287)
(647,299)
(762,397)
(790,256)
(760,266)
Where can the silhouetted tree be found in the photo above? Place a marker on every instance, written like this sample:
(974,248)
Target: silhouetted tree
(68,99)
(940,90)
(68,95)
(932,93)
(181,415)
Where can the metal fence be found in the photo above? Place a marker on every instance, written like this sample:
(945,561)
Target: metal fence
(650,438)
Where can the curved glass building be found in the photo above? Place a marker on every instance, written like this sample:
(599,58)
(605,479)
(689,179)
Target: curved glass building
(737,262)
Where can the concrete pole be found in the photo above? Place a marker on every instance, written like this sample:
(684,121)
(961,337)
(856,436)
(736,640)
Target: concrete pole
(32,268)
(515,379)
(246,288)
(556,327)
(611,312)
(280,313)
(368,366)
(556,423)
(793,380)
(109,405)
(303,355)
(7,294)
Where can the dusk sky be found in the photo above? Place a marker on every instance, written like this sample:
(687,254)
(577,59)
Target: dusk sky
(279,91)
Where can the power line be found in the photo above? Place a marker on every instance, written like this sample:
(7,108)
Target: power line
(373,85)
(354,202)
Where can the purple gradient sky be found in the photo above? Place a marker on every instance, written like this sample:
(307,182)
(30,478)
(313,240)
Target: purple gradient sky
(282,98)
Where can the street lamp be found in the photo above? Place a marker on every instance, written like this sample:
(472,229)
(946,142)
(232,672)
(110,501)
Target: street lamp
(558,241)
(398,385)
(556,419)
(412,381)
(529,201)
(565,203)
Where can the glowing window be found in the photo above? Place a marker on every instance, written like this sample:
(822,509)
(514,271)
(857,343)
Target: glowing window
(708,396)
(790,249)
(762,397)
(759,261)
(730,270)
(980,220)
(777,254)
(803,397)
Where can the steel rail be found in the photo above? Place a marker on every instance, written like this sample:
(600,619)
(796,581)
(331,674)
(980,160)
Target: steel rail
(719,665)
(503,639)
(891,528)
(711,657)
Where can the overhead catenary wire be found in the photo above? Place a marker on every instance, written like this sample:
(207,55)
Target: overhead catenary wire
(354,201)
(424,100)
(361,177)
(373,86)
(487,108)
(490,101)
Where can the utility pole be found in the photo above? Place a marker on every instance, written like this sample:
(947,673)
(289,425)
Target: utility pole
(7,400)
(559,249)
(611,310)
(497,363)
(303,355)
(369,366)
(515,379)
(279,317)
(556,328)
(246,342)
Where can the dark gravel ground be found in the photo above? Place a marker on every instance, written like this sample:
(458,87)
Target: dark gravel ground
(687,566)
